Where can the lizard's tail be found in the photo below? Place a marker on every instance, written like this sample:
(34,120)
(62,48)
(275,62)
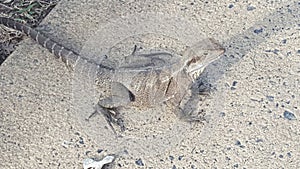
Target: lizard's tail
(69,57)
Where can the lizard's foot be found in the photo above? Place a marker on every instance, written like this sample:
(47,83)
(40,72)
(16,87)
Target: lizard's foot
(111,116)
(114,117)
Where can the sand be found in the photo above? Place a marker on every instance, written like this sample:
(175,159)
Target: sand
(252,116)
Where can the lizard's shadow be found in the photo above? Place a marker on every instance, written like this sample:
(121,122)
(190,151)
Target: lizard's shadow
(241,44)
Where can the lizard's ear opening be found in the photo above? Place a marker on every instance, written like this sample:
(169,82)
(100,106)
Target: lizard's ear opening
(198,56)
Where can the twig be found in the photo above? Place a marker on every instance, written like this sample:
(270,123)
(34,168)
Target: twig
(4,8)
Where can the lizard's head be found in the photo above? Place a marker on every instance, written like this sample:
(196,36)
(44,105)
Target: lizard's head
(198,56)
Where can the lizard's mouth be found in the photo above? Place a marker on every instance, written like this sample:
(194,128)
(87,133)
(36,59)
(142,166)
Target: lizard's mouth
(195,66)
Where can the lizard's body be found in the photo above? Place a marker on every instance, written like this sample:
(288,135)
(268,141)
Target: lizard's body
(140,80)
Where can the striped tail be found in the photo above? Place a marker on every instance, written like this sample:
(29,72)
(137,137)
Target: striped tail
(66,55)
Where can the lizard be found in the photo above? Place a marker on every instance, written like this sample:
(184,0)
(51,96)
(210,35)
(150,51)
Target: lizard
(139,79)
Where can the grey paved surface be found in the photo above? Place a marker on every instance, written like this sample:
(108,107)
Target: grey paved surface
(258,79)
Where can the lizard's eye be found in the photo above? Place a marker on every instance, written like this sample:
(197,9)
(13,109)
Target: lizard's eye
(194,64)
(194,60)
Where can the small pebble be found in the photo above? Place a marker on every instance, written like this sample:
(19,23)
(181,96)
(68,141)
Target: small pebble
(234,83)
(87,153)
(259,140)
(171,158)
(81,140)
(275,51)
(289,115)
(66,144)
(250,8)
(257,31)
(270,98)
(139,162)
(284,41)
(222,114)
(35,61)
(238,143)
(230,6)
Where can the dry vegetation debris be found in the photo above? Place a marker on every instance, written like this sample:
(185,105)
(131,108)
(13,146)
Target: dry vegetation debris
(30,12)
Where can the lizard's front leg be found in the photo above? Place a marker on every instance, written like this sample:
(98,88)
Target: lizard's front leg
(111,116)
(119,96)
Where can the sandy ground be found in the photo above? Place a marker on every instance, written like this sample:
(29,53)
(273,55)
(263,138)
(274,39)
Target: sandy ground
(252,116)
